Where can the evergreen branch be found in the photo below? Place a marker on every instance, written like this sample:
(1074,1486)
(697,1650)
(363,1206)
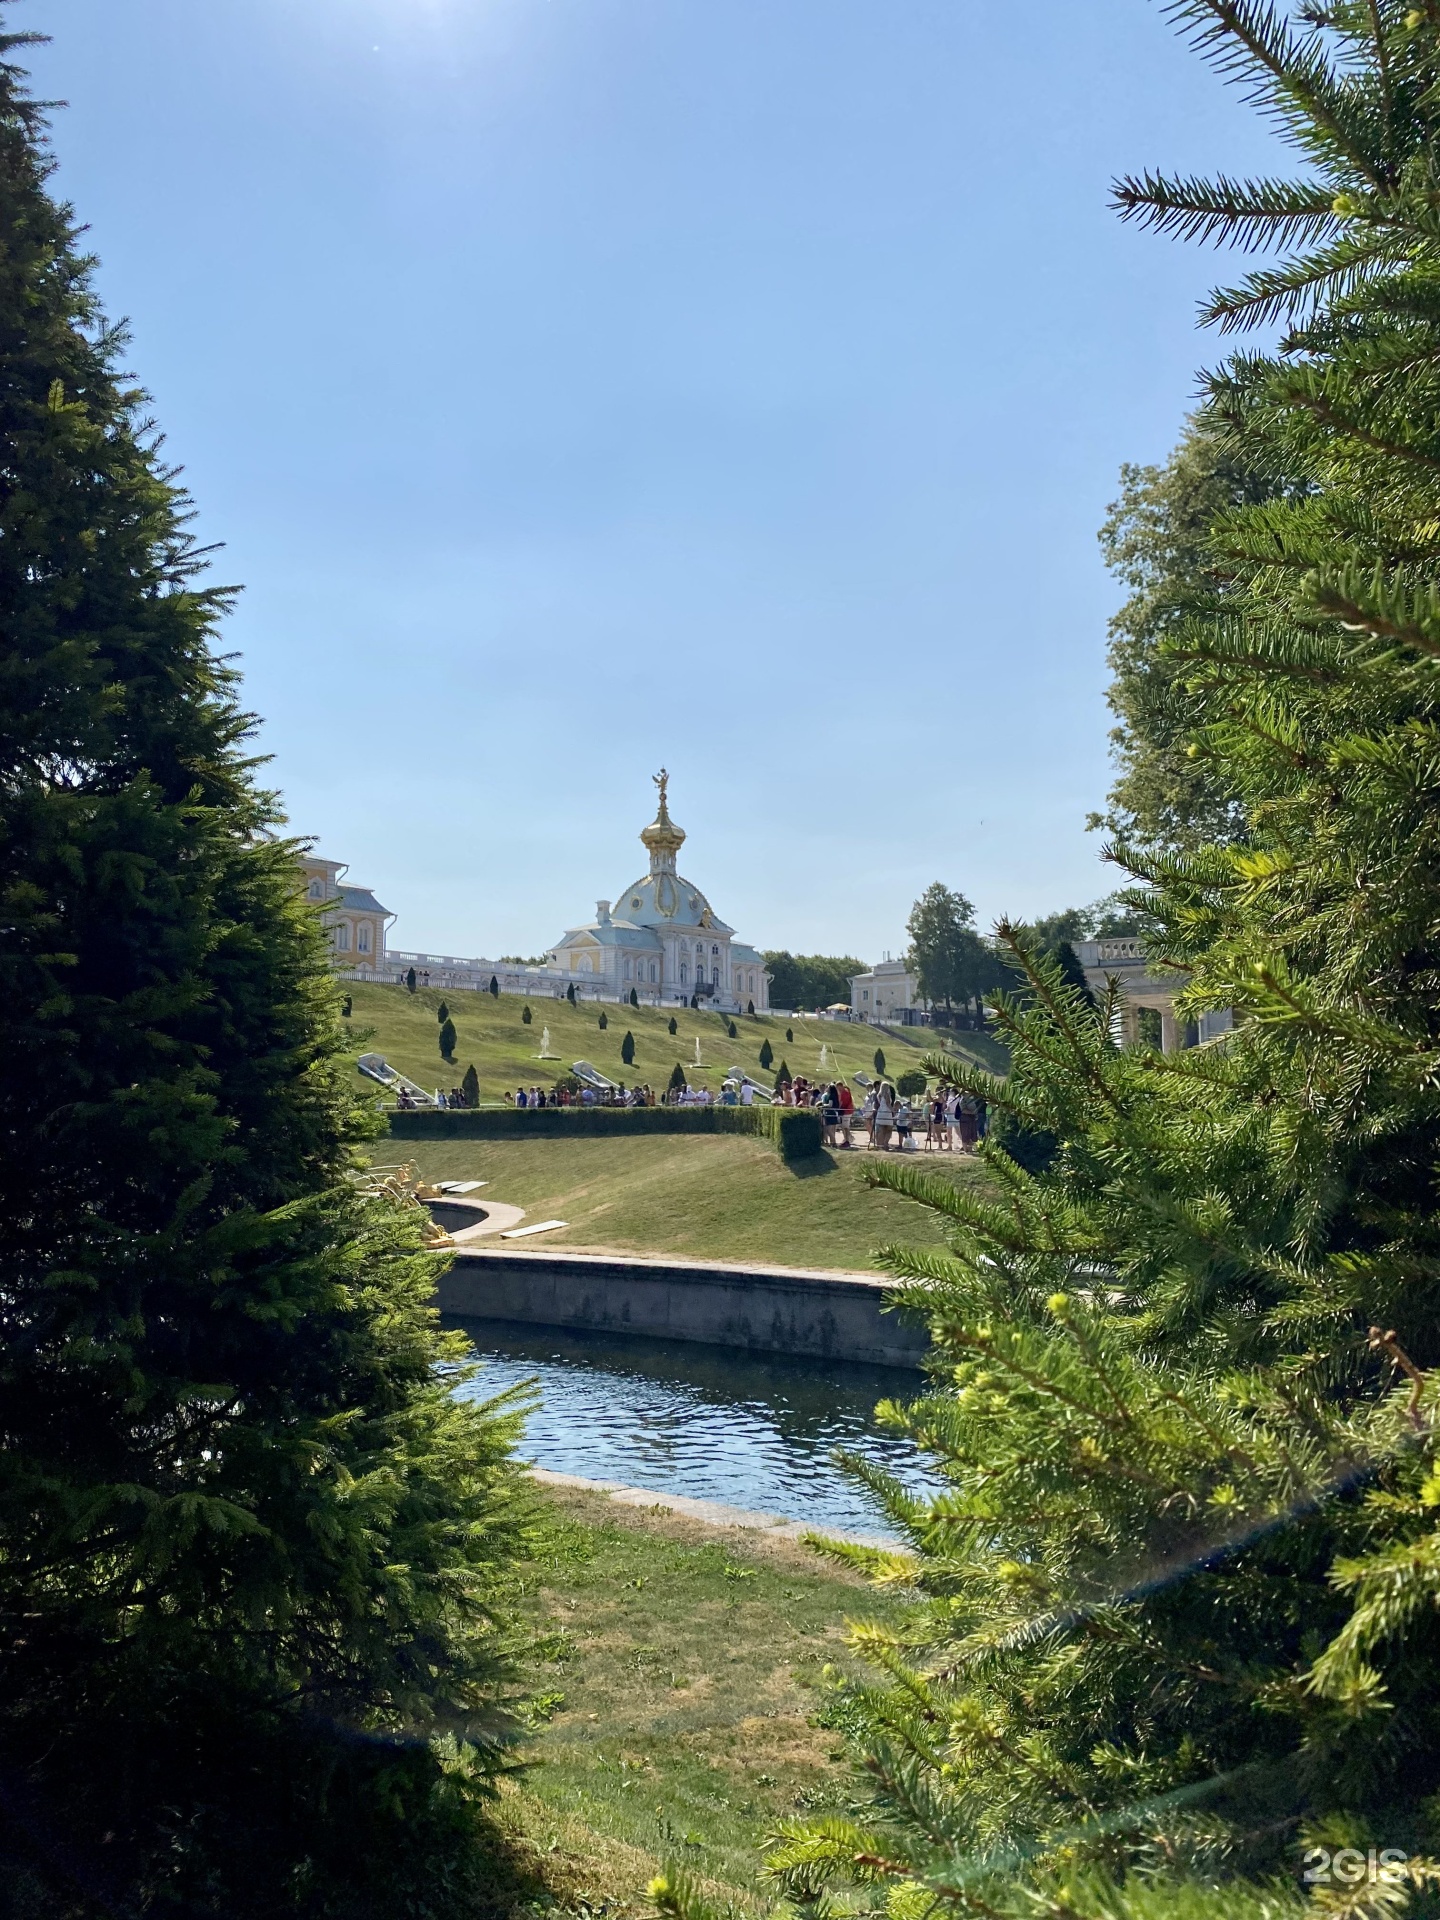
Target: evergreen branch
(1386,610)
(1248,214)
(1301,89)
(1283,292)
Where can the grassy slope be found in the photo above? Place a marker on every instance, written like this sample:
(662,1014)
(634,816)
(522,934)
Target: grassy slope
(708,1197)
(683,1727)
(503,1049)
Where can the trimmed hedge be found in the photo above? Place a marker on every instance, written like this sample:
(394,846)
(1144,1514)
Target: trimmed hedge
(795,1131)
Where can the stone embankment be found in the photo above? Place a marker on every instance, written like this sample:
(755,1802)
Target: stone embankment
(791,1310)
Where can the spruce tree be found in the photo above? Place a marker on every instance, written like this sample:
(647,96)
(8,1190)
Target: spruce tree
(470,1086)
(627,1049)
(525,1015)
(447,1040)
(252,1661)
(673,1027)
(767,1054)
(346,1007)
(410,980)
(782,1076)
(677,1078)
(634,998)
(1180,1637)
(494,985)
(442,1013)
(570,993)
(879,1060)
(750,1008)
(732,1030)
(603,1021)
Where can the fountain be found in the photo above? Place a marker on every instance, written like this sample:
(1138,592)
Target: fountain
(698,1061)
(824,1058)
(545,1053)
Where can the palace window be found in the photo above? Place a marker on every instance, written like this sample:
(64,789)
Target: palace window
(362,937)
(684,974)
(317,889)
(627,969)
(652,973)
(714,949)
(342,936)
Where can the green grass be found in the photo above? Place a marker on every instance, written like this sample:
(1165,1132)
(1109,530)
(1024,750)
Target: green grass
(681,1699)
(709,1197)
(492,1035)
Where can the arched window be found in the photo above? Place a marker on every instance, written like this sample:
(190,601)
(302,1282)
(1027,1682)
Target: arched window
(652,973)
(317,889)
(714,949)
(362,937)
(684,974)
(627,968)
(342,937)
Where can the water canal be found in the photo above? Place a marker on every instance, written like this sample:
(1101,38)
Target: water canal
(753,1430)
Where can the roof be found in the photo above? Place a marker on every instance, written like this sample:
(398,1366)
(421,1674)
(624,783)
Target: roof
(360,900)
(611,933)
(667,900)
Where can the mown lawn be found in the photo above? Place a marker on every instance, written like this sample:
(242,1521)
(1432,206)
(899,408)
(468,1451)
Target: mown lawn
(706,1196)
(494,1038)
(681,1700)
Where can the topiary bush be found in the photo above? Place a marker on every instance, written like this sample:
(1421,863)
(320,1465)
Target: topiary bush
(911,1083)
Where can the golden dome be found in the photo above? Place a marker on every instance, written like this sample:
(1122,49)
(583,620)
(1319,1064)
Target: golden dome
(662,835)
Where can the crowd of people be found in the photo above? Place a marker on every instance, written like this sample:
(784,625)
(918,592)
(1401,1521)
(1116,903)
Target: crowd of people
(951,1121)
(947,1119)
(564,1095)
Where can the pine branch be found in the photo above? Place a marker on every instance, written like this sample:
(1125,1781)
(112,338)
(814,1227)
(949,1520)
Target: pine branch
(1247,214)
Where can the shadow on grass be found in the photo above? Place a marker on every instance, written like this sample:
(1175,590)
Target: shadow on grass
(813,1165)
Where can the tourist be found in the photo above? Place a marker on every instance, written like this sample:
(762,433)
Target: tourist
(904,1125)
(883,1119)
(747,1094)
(830,1118)
(935,1121)
(522,1099)
(846,1101)
(967,1119)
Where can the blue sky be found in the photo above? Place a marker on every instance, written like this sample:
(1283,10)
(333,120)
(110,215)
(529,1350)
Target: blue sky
(581,385)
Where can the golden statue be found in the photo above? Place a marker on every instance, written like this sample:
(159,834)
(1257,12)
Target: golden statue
(662,781)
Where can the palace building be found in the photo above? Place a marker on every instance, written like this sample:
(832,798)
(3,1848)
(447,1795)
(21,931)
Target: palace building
(660,937)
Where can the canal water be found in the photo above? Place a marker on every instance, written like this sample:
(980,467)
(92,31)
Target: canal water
(753,1430)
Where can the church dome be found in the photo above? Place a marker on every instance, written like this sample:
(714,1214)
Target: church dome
(663,897)
(662,835)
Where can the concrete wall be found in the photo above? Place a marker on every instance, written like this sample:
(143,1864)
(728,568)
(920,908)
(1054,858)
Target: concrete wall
(767,1310)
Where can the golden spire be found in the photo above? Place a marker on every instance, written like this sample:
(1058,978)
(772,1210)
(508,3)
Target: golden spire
(662,837)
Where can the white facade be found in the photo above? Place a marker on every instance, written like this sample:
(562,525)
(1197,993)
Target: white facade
(661,940)
(889,991)
(354,919)
(1123,960)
